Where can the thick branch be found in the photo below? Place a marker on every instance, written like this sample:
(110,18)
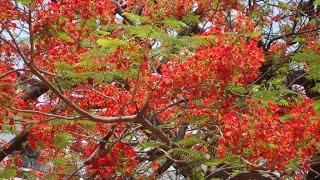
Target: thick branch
(14,144)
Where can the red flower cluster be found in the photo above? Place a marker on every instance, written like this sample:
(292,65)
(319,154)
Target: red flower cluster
(273,134)
(205,76)
(120,160)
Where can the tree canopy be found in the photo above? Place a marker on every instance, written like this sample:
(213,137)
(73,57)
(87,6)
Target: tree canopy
(128,89)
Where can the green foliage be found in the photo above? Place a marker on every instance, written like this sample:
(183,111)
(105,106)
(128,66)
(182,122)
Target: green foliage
(253,34)
(293,163)
(30,175)
(145,31)
(136,19)
(283,102)
(236,89)
(8,129)
(213,162)
(70,77)
(150,144)
(276,93)
(285,118)
(66,163)
(266,95)
(299,40)
(316,88)
(317,106)
(189,141)
(60,161)
(306,56)
(187,155)
(316,3)
(8,173)
(167,43)
(171,45)
(91,24)
(198,120)
(191,18)
(51,177)
(269,146)
(103,32)
(197,175)
(25,2)
(88,125)
(235,160)
(58,122)
(312,58)
(62,139)
(63,36)
(111,43)
(174,24)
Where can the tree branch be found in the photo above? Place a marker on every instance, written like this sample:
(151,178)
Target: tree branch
(11,71)
(288,35)
(14,144)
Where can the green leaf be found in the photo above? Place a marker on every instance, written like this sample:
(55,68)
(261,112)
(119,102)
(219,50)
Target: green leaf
(175,24)
(198,120)
(150,144)
(255,88)
(283,102)
(60,161)
(59,122)
(317,106)
(88,125)
(91,24)
(233,159)
(269,146)
(299,39)
(266,95)
(50,176)
(8,173)
(293,163)
(236,89)
(306,56)
(253,34)
(136,19)
(213,162)
(189,141)
(314,72)
(111,43)
(69,77)
(25,2)
(62,139)
(146,31)
(187,155)
(196,174)
(103,32)
(316,88)
(68,169)
(285,118)
(64,36)
(316,3)
(30,175)
(191,18)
